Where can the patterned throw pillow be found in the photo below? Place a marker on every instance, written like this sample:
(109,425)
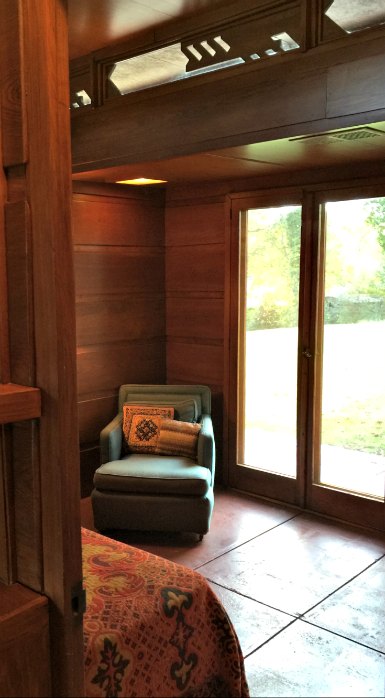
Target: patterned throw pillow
(146,411)
(178,438)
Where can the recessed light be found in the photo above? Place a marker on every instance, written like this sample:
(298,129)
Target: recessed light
(141,180)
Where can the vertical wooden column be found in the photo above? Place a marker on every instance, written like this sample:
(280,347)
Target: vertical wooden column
(41,317)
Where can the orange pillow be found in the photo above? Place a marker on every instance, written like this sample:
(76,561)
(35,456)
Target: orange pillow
(178,438)
(141,440)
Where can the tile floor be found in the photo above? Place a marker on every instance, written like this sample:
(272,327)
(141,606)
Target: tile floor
(306,595)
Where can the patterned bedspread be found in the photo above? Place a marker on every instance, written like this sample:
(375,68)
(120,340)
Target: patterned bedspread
(154,628)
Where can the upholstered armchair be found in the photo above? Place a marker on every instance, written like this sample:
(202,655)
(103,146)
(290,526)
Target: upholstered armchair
(157,461)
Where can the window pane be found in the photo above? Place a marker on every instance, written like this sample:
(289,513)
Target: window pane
(353,400)
(268,438)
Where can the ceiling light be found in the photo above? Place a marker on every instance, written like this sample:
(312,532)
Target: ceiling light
(141,181)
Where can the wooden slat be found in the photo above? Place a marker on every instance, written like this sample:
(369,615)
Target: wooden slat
(195,317)
(27,509)
(205,268)
(12,104)
(94,414)
(117,270)
(196,223)
(128,317)
(105,367)
(24,643)
(18,402)
(116,221)
(20,292)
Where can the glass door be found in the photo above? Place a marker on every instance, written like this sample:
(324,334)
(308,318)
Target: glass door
(267,437)
(307,348)
(349,433)
(268,312)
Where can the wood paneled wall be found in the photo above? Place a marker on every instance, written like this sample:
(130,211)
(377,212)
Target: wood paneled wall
(120,304)
(195,296)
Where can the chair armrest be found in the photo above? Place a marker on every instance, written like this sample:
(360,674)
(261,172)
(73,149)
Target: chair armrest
(111,440)
(206,445)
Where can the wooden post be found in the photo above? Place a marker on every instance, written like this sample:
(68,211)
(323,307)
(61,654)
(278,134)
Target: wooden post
(37,155)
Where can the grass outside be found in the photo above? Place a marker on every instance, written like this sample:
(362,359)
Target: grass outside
(353,389)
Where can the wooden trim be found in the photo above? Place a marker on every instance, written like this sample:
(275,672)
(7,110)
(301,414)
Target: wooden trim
(19,402)
(309,96)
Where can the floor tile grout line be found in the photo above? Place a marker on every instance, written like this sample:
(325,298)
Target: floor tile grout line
(251,598)
(351,579)
(344,637)
(239,545)
(272,637)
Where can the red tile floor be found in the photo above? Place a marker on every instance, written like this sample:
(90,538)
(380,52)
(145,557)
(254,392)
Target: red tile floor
(306,595)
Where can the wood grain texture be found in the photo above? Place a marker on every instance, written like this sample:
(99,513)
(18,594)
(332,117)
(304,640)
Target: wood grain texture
(94,414)
(13,115)
(20,293)
(195,316)
(355,87)
(205,268)
(120,302)
(24,643)
(7,541)
(27,504)
(194,224)
(44,58)
(134,221)
(195,237)
(4,340)
(19,402)
(117,270)
(103,320)
(107,366)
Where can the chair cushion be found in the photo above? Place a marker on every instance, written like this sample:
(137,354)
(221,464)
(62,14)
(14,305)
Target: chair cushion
(144,410)
(186,410)
(178,438)
(151,474)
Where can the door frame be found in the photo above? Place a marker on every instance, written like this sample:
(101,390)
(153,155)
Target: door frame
(301,492)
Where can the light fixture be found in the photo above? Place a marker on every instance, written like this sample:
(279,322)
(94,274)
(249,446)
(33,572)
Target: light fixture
(141,181)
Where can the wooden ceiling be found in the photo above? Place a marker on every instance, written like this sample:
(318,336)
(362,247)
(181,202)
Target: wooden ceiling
(95,24)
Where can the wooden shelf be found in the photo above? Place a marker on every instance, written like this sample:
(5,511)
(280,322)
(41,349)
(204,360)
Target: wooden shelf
(18,402)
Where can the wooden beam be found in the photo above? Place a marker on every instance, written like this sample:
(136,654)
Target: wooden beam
(19,402)
(292,94)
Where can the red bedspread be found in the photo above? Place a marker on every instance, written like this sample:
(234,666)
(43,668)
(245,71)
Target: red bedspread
(154,628)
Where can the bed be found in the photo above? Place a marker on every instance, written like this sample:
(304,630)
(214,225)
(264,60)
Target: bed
(153,627)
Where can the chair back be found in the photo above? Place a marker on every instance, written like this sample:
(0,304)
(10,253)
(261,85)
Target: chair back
(189,401)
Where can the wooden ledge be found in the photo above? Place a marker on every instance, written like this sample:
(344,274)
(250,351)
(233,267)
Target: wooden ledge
(18,402)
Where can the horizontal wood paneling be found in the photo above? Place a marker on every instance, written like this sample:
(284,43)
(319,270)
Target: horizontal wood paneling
(195,316)
(195,268)
(24,643)
(102,319)
(107,366)
(115,270)
(89,462)
(203,224)
(194,363)
(356,86)
(95,223)
(94,414)
(195,291)
(120,303)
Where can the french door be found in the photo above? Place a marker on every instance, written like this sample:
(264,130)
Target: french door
(307,348)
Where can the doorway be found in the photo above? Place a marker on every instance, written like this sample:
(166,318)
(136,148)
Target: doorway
(307,373)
